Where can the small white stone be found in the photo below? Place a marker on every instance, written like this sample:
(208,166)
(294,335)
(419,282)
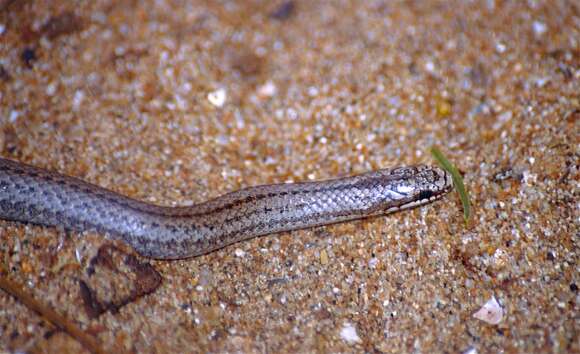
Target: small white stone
(539,28)
(491,312)
(13,116)
(51,89)
(500,47)
(217,97)
(312,91)
(267,90)
(239,253)
(348,334)
(2,28)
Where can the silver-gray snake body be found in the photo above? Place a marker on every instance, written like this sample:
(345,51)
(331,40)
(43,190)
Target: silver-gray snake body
(34,195)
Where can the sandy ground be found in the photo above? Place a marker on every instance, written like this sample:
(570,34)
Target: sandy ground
(175,102)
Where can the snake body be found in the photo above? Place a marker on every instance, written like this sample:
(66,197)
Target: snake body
(34,195)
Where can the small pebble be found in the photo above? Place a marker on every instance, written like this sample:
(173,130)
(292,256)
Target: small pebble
(239,253)
(348,334)
(539,28)
(491,312)
(267,90)
(217,97)
(323,257)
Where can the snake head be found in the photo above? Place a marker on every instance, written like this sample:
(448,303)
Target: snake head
(410,186)
(424,184)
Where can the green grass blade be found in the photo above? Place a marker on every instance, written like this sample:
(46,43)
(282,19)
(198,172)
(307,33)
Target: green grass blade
(457,180)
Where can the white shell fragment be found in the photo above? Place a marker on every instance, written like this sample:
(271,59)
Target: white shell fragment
(491,312)
(348,334)
(217,97)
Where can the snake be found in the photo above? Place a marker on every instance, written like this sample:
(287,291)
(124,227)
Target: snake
(38,196)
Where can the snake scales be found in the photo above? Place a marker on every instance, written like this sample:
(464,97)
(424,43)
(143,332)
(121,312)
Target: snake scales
(34,195)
